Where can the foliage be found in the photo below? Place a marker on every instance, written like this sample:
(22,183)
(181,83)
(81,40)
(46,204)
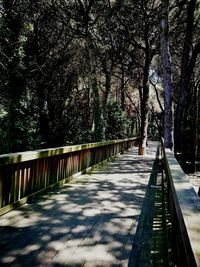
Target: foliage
(117,121)
(78,71)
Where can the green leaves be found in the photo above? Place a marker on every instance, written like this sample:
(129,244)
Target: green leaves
(117,121)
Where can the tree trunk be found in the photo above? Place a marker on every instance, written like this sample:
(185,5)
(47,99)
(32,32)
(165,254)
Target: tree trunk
(195,130)
(43,119)
(168,80)
(145,101)
(144,120)
(108,75)
(185,73)
(97,127)
(122,88)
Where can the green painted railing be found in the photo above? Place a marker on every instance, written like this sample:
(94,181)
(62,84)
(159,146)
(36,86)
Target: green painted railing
(184,206)
(24,175)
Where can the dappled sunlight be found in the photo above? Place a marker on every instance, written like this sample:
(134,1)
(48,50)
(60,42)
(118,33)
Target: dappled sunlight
(90,221)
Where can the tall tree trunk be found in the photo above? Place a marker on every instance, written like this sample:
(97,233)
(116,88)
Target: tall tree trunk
(108,76)
(144,120)
(43,120)
(195,129)
(144,98)
(122,88)
(185,73)
(97,127)
(168,80)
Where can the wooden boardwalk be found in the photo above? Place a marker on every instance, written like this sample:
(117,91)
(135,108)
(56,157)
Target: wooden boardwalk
(98,219)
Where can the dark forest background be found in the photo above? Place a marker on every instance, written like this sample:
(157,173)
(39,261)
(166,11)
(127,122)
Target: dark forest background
(78,71)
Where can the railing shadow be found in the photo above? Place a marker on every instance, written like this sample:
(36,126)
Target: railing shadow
(90,218)
(150,243)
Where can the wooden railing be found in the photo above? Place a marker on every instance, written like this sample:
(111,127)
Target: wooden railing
(24,175)
(184,206)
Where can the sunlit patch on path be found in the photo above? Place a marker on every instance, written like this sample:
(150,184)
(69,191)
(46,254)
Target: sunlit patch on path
(94,220)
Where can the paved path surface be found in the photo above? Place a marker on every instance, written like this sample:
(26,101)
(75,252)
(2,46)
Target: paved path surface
(92,221)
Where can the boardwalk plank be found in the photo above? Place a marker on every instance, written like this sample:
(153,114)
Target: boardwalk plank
(90,221)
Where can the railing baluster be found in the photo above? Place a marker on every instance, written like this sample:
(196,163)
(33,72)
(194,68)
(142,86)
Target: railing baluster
(25,174)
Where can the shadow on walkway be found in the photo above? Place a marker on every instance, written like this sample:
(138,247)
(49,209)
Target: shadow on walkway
(150,243)
(92,221)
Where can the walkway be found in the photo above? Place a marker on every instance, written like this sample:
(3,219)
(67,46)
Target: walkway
(105,218)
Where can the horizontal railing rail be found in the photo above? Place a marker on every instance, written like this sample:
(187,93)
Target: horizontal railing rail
(24,175)
(184,206)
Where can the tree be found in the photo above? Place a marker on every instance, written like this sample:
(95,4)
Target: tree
(168,81)
(12,69)
(187,67)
